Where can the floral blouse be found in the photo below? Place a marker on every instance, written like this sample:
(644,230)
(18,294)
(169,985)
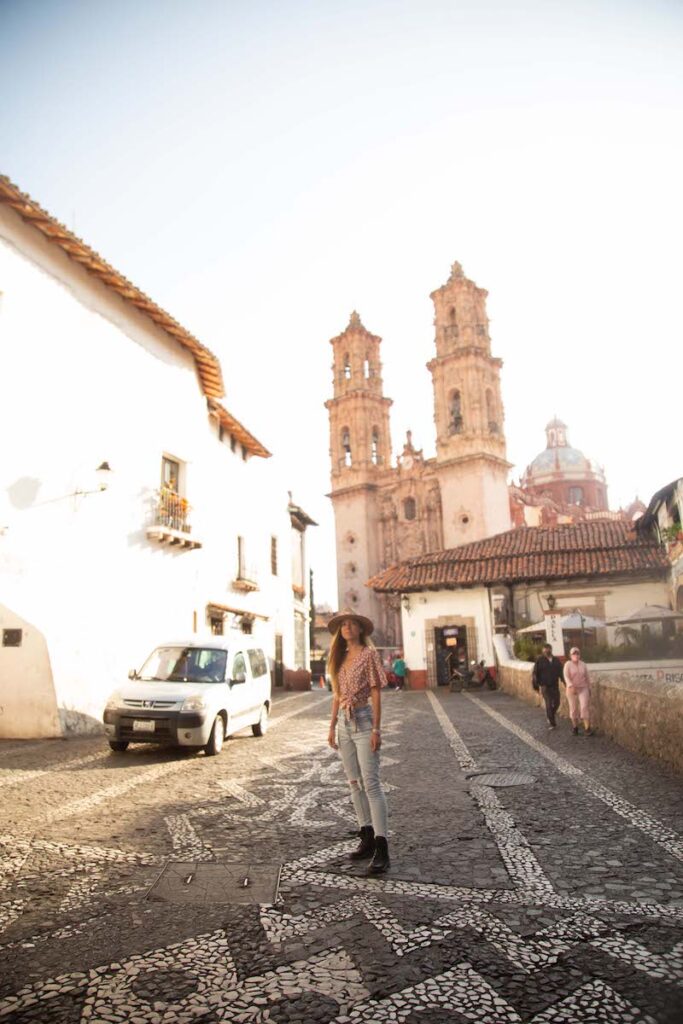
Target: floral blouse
(356,681)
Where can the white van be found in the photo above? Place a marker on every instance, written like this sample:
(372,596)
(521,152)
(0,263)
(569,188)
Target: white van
(192,694)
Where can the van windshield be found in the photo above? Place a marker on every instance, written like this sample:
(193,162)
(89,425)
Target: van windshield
(185,665)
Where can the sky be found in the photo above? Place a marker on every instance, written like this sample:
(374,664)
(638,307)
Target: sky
(261,169)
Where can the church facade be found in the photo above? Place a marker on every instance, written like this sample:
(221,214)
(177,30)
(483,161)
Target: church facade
(385,514)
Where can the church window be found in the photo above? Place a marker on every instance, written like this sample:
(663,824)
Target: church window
(374,447)
(409,508)
(366,367)
(576,495)
(346,446)
(452,315)
(455,421)
(491,412)
(347,367)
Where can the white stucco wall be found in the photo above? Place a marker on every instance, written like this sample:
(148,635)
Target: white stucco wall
(454,604)
(88,379)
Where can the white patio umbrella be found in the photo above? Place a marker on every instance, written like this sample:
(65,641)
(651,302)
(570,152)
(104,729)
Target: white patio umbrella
(572,620)
(647,613)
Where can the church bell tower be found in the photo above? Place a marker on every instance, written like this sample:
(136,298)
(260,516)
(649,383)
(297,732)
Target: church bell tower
(471,459)
(360,455)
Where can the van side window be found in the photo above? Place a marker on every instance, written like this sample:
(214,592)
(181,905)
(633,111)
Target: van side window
(258,664)
(239,666)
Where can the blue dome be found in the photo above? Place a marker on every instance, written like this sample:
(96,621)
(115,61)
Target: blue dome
(564,458)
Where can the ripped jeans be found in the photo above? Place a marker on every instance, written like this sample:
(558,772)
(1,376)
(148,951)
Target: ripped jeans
(361,766)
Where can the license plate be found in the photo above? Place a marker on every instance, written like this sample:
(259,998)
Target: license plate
(143,725)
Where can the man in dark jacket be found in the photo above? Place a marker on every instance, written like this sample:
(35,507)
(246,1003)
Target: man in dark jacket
(546,678)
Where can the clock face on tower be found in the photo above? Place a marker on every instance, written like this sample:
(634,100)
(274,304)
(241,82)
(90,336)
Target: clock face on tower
(407,461)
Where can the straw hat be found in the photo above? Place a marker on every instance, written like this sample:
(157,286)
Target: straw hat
(365,624)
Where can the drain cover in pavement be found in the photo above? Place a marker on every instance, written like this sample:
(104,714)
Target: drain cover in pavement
(498,779)
(209,883)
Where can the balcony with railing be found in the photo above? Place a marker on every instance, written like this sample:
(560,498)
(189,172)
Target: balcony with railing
(170,520)
(246,579)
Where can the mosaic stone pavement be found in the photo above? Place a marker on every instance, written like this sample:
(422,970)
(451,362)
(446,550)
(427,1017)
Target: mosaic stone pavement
(536,878)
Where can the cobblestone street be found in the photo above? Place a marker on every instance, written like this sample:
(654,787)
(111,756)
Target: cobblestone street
(536,877)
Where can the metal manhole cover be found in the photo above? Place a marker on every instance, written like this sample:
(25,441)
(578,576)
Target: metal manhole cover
(209,883)
(499,779)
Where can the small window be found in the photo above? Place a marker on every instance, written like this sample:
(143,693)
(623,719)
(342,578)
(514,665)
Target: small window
(346,446)
(576,495)
(170,474)
(374,447)
(12,637)
(273,555)
(239,666)
(409,508)
(452,315)
(366,367)
(216,625)
(491,412)
(455,420)
(347,367)
(259,666)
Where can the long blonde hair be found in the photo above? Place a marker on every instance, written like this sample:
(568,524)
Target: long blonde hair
(338,651)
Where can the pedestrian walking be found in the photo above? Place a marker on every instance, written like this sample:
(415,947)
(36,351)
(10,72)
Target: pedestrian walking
(578,684)
(400,670)
(546,679)
(355,729)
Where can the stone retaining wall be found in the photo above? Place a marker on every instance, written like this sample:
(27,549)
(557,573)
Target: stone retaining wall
(637,704)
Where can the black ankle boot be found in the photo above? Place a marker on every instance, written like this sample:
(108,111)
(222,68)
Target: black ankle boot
(367,843)
(380,862)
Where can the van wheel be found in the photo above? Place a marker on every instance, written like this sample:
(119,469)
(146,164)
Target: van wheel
(118,746)
(215,744)
(261,727)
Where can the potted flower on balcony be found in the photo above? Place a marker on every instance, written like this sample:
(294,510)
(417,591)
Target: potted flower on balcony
(173,510)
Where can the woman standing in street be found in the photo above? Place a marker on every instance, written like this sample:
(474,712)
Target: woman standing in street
(357,679)
(578,684)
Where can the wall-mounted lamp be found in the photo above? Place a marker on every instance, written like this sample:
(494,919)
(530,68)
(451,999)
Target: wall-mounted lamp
(552,601)
(103,477)
(103,473)
(405,601)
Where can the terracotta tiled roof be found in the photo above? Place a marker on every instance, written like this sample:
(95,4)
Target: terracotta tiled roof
(595,549)
(208,366)
(238,430)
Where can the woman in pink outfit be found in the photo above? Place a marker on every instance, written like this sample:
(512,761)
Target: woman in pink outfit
(578,684)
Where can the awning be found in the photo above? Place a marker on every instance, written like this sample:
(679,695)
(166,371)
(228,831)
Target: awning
(573,620)
(646,613)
